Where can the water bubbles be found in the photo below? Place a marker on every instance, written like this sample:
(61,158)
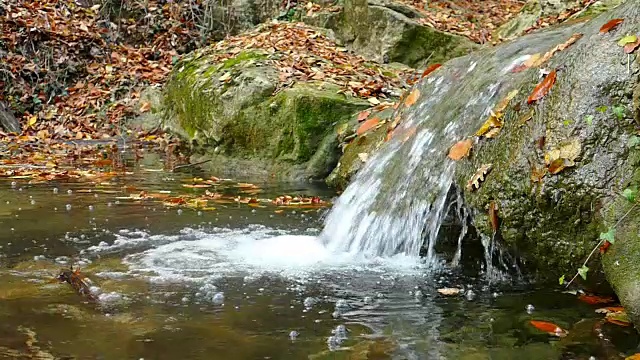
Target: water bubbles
(470,295)
(185,299)
(90,207)
(14,184)
(333,343)
(32,202)
(199,213)
(342,304)
(340,332)
(55,190)
(293,335)
(418,294)
(530,308)
(368,300)
(179,211)
(309,302)
(68,207)
(69,191)
(218,298)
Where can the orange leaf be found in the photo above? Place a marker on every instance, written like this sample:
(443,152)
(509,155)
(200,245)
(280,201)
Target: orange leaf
(431,68)
(543,88)
(594,299)
(363,115)
(412,98)
(631,47)
(617,322)
(460,149)
(604,247)
(368,125)
(610,25)
(610,309)
(633,357)
(493,216)
(146,106)
(549,328)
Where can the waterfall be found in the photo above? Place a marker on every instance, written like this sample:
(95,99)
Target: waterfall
(396,203)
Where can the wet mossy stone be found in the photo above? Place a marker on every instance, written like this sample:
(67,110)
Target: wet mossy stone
(231,110)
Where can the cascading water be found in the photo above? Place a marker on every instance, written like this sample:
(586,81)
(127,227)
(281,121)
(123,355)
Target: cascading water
(397,201)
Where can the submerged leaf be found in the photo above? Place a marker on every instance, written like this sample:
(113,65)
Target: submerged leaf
(610,25)
(618,318)
(549,327)
(460,149)
(449,291)
(594,299)
(543,88)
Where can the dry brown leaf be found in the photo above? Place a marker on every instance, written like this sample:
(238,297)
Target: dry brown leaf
(363,115)
(460,149)
(479,177)
(412,98)
(368,125)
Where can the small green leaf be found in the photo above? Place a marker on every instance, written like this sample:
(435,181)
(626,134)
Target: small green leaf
(583,272)
(602,109)
(610,235)
(619,111)
(588,119)
(630,194)
(634,141)
(627,40)
(567,122)
(561,280)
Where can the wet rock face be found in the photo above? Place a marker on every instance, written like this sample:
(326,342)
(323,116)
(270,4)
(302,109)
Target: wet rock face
(551,218)
(8,122)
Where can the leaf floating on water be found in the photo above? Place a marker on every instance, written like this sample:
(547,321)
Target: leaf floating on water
(595,299)
(412,98)
(431,68)
(610,309)
(363,115)
(629,39)
(479,177)
(449,291)
(543,88)
(460,149)
(618,318)
(610,25)
(549,327)
(368,125)
(493,216)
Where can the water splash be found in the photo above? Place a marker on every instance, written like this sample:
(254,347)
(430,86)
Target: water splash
(397,201)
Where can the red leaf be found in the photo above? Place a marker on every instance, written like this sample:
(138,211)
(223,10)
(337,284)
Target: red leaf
(543,88)
(594,299)
(549,328)
(610,25)
(363,115)
(604,247)
(367,125)
(431,68)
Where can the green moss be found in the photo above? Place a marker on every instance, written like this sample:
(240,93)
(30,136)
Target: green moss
(242,57)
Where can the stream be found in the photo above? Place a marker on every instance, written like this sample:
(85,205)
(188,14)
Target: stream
(237,278)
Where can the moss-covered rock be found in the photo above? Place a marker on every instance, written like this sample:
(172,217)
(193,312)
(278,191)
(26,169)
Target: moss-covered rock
(231,110)
(393,36)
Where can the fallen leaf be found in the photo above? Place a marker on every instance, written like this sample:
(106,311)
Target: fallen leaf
(629,39)
(146,106)
(412,98)
(610,25)
(549,328)
(543,88)
(449,291)
(363,115)
(493,216)
(368,125)
(594,299)
(363,156)
(558,165)
(494,121)
(492,133)
(618,318)
(604,247)
(460,149)
(479,177)
(431,68)
(32,120)
(373,101)
(631,47)
(633,357)
(560,47)
(610,309)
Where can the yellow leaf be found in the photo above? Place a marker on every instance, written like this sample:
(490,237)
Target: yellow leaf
(32,120)
(146,106)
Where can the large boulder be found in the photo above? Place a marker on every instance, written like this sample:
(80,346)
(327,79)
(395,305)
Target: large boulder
(558,164)
(535,11)
(393,35)
(269,112)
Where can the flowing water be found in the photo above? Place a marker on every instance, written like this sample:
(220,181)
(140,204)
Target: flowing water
(251,281)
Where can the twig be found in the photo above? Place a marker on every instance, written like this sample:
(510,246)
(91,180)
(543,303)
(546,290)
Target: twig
(600,242)
(189,165)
